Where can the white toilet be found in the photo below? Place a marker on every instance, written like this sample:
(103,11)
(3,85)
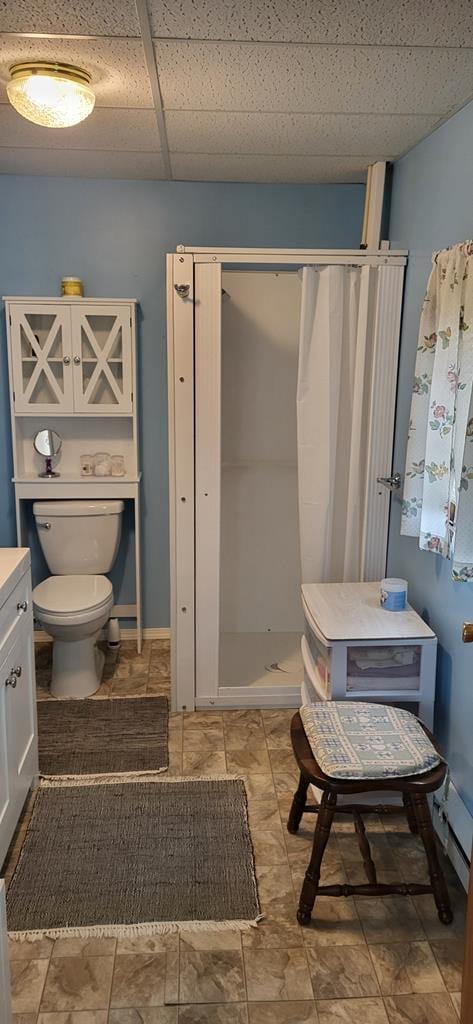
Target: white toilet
(80,542)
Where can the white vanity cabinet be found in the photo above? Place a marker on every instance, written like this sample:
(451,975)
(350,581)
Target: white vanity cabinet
(70,356)
(5,1001)
(18,723)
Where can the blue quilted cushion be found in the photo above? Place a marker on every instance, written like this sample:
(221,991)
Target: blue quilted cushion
(356,740)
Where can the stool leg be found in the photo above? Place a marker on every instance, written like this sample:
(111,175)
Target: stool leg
(312,875)
(411,818)
(298,805)
(365,849)
(426,832)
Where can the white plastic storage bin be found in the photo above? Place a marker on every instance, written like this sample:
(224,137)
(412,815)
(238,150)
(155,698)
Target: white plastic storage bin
(353,649)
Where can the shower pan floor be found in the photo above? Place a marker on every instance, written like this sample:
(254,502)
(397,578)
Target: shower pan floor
(255,660)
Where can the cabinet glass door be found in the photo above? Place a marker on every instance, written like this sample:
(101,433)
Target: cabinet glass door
(41,359)
(102,360)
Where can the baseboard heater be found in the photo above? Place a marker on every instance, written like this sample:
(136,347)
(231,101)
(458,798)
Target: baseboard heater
(454,826)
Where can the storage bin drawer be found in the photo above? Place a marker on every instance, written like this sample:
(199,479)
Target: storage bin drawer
(383,667)
(13,612)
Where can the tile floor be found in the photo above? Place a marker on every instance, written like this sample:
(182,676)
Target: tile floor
(363,961)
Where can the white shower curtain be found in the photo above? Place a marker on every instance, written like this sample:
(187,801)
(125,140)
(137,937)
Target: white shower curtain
(333,405)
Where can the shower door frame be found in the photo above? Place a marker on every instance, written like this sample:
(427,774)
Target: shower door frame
(194,312)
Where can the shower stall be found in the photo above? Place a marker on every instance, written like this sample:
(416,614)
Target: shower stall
(242,396)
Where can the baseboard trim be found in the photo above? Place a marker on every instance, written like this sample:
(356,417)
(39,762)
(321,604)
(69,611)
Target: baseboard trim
(151,633)
(454,826)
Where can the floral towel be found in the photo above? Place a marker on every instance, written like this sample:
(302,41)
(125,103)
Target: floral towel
(438,488)
(367,741)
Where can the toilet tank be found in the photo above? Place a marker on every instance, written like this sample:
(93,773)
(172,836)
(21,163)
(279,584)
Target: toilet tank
(79,537)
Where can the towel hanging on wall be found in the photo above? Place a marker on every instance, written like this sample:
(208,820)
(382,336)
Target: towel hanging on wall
(438,490)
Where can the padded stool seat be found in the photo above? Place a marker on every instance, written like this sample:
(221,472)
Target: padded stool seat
(356,736)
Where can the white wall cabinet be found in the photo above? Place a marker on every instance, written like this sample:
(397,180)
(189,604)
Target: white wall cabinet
(18,728)
(72,357)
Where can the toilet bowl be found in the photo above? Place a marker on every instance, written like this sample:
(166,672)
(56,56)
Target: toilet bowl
(80,542)
(73,610)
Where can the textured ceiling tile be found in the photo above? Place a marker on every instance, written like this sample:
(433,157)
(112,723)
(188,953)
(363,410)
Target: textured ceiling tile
(203,131)
(117,66)
(358,79)
(81,164)
(392,22)
(134,130)
(297,170)
(93,17)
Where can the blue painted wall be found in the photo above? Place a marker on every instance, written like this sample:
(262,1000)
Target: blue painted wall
(432,207)
(114,235)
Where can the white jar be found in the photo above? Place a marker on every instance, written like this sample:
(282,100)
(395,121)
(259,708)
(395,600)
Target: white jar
(102,464)
(87,465)
(118,465)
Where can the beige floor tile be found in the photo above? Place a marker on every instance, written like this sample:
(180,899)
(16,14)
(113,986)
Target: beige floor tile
(274,934)
(208,719)
(273,974)
(210,940)
(406,967)
(260,787)
(171,981)
(73,1017)
(456,998)
(352,1011)
(283,1013)
(248,761)
(242,716)
(421,1009)
(158,687)
(334,923)
(168,941)
(132,686)
(203,762)
(285,783)
(342,972)
(77,983)
(30,949)
(175,763)
(389,919)
(138,980)
(26,1018)
(274,880)
(269,846)
(203,737)
(449,956)
(244,737)
(211,977)
(281,760)
(141,1015)
(27,983)
(263,814)
(434,928)
(84,947)
(223,1013)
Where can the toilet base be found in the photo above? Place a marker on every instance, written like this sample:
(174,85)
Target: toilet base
(77,667)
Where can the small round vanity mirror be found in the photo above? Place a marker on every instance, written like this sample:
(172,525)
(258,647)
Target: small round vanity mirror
(47,443)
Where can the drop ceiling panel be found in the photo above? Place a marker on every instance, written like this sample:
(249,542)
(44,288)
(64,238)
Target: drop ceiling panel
(203,131)
(134,130)
(327,79)
(81,164)
(293,169)
(117,66)
(389,22)
(98,17)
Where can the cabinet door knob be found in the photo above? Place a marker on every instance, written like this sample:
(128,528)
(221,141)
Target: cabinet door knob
(11,681)
(22,606)
(77,360)
(66,360)
(16,671)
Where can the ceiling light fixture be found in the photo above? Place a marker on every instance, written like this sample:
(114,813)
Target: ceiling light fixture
(50,94)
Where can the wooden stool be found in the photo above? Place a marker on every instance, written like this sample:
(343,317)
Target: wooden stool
(413,789)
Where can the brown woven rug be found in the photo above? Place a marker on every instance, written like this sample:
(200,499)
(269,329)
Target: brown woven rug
(125,736)
(135,858)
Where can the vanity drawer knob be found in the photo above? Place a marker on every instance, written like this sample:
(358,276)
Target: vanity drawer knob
(77,360)
(16,671)
(22,606)
(66,360)
(11,681)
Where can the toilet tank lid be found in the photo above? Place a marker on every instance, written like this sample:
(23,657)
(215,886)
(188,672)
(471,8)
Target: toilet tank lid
(77,508)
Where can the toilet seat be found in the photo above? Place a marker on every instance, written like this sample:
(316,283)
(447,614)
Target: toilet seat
(72,600)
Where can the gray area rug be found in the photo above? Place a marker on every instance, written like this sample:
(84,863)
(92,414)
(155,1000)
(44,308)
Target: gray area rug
(111,737)
(135,858)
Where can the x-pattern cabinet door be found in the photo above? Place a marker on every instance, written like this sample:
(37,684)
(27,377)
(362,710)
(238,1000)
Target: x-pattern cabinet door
(41,358)
(102,359)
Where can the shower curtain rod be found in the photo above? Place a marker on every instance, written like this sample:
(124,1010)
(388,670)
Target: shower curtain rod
(363,255)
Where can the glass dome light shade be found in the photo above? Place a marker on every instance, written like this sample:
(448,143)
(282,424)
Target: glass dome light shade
(51,95)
